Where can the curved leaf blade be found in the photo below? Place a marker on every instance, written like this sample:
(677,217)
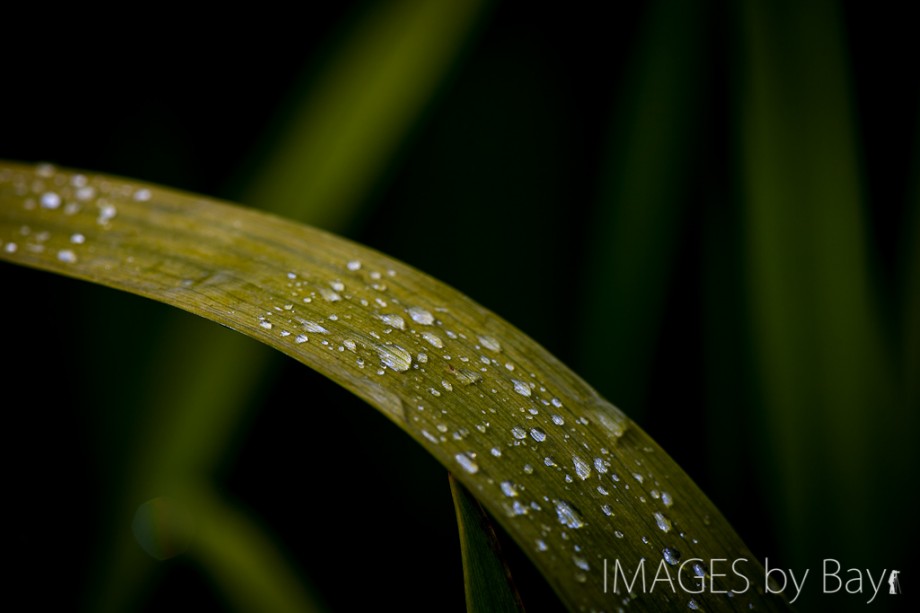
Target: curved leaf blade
(572,479)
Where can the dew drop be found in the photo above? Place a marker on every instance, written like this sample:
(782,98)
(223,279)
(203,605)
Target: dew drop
(693,605)
(509,489)
(557,419)
(490,343)
(611,420)
(468,464)
(354,265)
(671,556)
(666,499)
(312,326)
(447,386)
(421,316)
(537,434)
(107,213)
(67,256)
(467,377)
(433,339)
(300,339)
(581,563)
(521,388)
(664,524)
(350,345)
(495,451)
(77,238)
(265,324)
(607,510)
(329,294)
(567,515)
(518,433)
(85,192)
(556,403)
(44,169)
(601,465)
(142,195)
(549,461)
(582,468)
(394,357)
(50,200)
(394,320)
(541,545)
(10,247)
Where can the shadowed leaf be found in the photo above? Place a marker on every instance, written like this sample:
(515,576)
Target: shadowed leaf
(488,582)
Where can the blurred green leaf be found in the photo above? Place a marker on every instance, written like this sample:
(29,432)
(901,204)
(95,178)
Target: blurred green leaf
(824,370)
(636,235)
(328,156)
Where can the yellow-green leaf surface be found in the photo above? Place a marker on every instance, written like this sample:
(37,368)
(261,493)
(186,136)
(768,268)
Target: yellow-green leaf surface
(579,486)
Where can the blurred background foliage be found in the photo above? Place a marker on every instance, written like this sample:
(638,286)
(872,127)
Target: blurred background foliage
(710,210)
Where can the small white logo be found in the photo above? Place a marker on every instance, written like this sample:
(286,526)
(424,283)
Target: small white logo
(894,586)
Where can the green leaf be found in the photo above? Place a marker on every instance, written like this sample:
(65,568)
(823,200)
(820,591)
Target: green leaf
(333,150)
(654,139)
(494,407)
(813,306)
(488,582)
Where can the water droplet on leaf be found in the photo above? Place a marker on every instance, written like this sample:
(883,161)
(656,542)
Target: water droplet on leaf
(421,316)
(468,464)
(671,555)
(664,524)
(567,514)
(582,468)
(521,388)
(490,343)
(394,357)
(433,339)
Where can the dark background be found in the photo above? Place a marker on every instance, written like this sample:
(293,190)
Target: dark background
(507,188)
